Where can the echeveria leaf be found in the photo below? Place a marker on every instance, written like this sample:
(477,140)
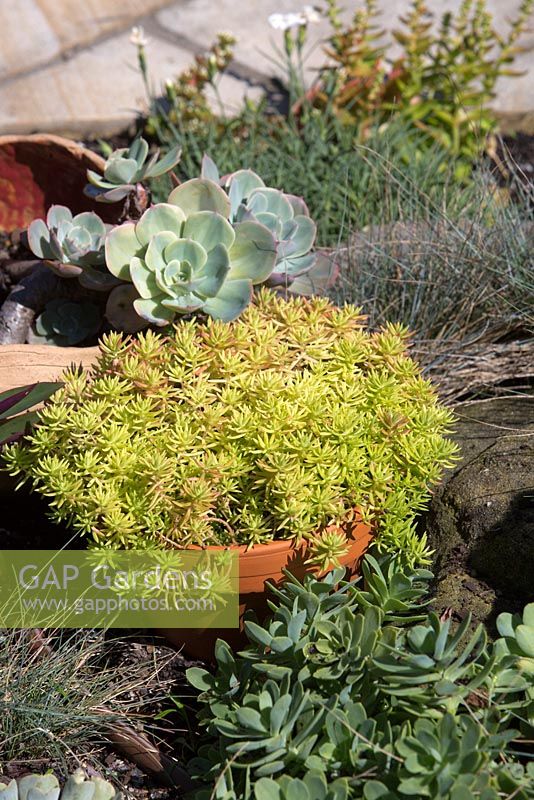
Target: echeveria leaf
(77,241)
(320,277)
(154,257)
(233,298)
(302,238)
(183,303)
(139,151)
(115,194)
(209,229)
(122,245)
(241,184)
(211,277)
(39,240)
(298,205)
(97,180)
(199,194)
(253,254)
(271,200)
(57,215)
(47,785)
(208,169)
(186,250)
(161,217)
(153,311)
(121,170)
(524,636)
(267,789)
(505,624)
(528,615)
(90,222)
(10,790)
(167,163)
(143,279)
(271,221)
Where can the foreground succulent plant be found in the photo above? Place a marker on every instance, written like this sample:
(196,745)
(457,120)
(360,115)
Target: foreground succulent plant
(46,787)
(359,692)
(288,219)
(127,167)
(184,256)
(73,246)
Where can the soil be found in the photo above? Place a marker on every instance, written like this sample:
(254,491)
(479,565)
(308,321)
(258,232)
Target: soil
(12,250)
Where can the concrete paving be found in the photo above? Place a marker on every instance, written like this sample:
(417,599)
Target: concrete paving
(69,67)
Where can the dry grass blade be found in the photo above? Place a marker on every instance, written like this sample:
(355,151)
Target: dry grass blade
(467,369)
(59,699)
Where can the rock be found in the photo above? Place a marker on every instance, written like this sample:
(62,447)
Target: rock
(21,364)
(481,519)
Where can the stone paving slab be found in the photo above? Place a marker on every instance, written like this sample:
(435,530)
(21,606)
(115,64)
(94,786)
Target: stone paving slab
(98,91)
(78,22)
(74,70)
(257,41)
(33,32)
(27,38)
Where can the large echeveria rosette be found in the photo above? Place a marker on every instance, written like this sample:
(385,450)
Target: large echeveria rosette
(184,256)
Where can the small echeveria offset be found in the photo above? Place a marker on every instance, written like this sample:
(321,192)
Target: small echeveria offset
(298,268)
(73,246)
(184,256)
(127,167)
(65,323)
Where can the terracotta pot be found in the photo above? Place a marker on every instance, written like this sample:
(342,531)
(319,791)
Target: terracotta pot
(41,170)
(258,565)
(21,364)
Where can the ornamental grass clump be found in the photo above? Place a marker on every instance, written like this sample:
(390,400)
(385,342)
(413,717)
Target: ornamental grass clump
(274,426)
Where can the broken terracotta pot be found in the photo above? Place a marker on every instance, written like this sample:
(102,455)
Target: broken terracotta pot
(41,170)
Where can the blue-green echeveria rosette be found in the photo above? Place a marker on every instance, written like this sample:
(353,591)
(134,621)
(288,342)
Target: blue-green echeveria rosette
(126,167)
(184,256)
(73,246)
(297,267)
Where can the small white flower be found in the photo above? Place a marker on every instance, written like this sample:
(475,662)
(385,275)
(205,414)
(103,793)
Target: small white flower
(282,22)
(311,14)
(138,38)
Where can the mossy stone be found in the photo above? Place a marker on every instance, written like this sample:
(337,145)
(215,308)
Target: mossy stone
(481,519)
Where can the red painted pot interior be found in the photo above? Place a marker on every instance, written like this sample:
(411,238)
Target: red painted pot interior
(41,170)
(258,565)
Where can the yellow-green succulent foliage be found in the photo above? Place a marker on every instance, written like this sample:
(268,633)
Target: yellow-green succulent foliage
(269,427)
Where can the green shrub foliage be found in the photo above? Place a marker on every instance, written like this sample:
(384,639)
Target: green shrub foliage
(352,693)
(274,426)
(442,80)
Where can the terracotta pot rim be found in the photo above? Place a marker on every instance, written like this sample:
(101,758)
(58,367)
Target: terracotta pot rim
(51,138)
(276,545)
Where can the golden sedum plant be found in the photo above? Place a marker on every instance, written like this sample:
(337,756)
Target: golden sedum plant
(273,426)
